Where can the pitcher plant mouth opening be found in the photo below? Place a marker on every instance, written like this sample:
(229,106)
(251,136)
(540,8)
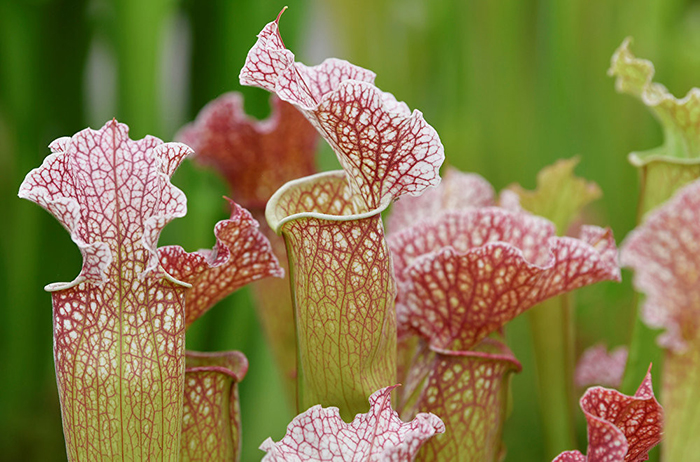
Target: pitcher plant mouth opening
(211,420)
(278,214)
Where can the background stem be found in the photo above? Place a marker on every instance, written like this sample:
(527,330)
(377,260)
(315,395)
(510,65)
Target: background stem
(552,338)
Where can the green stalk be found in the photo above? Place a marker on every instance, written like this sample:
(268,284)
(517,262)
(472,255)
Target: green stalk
(19,28)
(138,34)
(682,418)
(553,339)
(560,197)
(552,321)
(643,350)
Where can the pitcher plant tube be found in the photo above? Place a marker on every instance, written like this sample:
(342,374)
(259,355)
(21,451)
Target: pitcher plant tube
(211,421)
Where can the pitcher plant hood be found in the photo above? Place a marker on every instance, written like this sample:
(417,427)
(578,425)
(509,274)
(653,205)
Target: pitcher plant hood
(464,275)
(386,150)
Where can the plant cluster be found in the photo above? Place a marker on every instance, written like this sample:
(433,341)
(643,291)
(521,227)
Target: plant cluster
(423,303)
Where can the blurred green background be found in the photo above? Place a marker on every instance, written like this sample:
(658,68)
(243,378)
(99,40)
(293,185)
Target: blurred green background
(510,85)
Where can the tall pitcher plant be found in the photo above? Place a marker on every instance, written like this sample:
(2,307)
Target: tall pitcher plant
(119,327)
(342,284)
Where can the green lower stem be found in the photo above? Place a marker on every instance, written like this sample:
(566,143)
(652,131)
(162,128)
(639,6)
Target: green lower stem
(643,351)
(681,389)
(659,181)
(552,335)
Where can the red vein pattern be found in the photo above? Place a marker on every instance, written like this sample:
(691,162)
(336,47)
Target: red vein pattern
(119,326)
(211,421)
(242,254)
(465,275)
(620,427)
(461,277)
(278,149)
(469,391)
(321,435)
(386,150)
(597,366)
(570,456)
(457,190)
(343,292)
(665,254)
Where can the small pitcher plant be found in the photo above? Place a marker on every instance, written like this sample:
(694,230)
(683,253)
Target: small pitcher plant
(411,318)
